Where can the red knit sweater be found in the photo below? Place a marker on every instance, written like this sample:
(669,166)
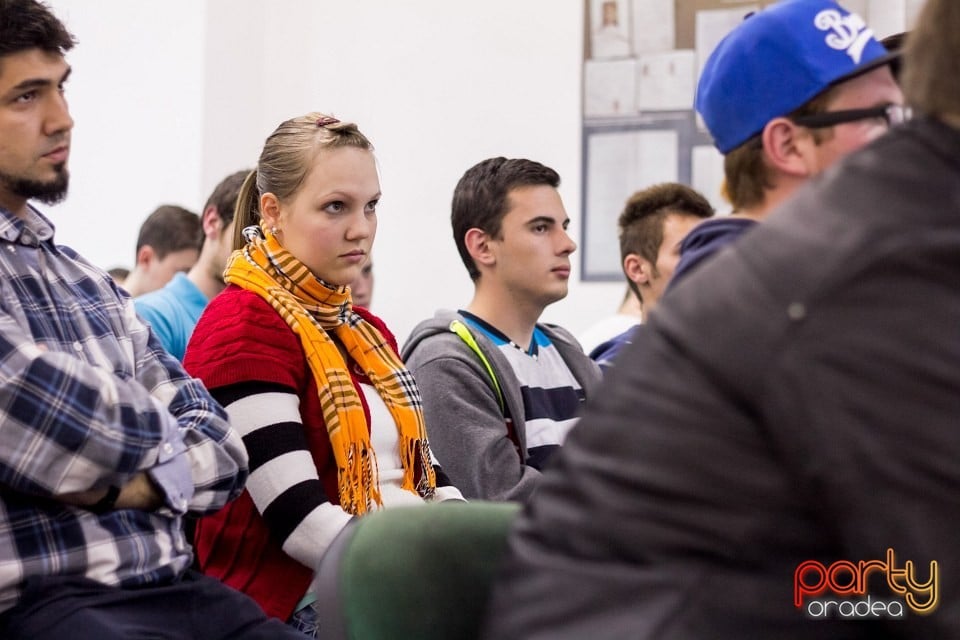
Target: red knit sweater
(240,338)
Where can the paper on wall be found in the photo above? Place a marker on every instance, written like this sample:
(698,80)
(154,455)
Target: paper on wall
(618,164)
(665,81)
(609,87)
(654,24)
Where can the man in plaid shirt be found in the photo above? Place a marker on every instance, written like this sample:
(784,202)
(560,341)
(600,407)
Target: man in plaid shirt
(105,442)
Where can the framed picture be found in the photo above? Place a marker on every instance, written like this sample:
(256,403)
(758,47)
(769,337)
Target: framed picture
(609,29)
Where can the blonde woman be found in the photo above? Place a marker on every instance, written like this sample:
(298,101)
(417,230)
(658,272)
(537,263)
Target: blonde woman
(330,416)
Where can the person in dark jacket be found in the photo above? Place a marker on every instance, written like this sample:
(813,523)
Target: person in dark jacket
(777,455)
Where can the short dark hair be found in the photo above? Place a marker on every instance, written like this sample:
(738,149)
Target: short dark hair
(224,196)
(28,24)
(641,222)
(118,273)
(170,228)
(480,199)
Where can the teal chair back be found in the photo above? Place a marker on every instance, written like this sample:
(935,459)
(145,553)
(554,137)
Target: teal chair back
(418,572)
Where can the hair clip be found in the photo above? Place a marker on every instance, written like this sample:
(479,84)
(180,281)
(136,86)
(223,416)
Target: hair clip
(252,233)
(326,120)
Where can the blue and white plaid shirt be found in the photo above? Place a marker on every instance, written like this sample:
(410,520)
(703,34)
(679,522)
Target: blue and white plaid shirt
(89,398)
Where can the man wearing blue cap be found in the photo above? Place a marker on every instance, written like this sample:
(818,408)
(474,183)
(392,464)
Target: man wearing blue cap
(785,95)
(776,455)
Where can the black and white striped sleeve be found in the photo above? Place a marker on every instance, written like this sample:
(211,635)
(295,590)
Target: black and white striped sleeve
(283,482)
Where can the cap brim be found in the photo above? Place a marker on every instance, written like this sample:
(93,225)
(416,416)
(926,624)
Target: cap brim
(891,58)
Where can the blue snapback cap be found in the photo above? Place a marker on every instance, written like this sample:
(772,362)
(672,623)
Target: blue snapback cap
(778,59)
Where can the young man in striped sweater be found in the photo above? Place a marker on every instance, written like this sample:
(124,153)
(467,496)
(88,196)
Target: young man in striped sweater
(501,390)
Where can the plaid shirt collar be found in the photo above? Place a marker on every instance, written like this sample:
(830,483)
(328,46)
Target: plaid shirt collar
(15,229)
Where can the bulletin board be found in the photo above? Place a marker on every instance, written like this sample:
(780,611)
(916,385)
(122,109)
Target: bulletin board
(641,62)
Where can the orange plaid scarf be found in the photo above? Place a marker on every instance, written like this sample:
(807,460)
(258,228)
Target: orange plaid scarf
(313,310)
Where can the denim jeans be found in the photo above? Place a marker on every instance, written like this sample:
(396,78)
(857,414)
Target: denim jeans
(306,621)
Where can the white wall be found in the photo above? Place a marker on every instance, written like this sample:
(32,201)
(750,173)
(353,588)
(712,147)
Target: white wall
(170,96)
(136,94)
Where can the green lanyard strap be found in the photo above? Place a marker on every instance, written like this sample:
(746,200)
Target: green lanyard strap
(463,332)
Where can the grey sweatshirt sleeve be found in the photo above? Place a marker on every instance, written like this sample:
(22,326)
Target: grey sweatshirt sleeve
(466,427)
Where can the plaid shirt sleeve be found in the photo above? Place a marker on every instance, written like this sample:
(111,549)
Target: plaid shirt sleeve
(214,451)
(88,398)
(95,410)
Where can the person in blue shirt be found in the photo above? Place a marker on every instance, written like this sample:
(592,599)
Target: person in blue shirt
(174,310)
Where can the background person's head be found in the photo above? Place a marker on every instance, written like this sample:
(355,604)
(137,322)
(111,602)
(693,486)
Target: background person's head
(765,87)
(217,221)
(34,141)
(652,225)
(315,189)
(361,289)
(118,274)
(169,242)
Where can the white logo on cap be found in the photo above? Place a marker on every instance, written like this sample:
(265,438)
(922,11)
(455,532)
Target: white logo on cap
(847,33)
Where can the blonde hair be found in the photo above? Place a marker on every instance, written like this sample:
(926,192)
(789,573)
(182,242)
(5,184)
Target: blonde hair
(287,157)
(931,67)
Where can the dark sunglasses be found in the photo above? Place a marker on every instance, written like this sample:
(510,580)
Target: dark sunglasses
(894,114)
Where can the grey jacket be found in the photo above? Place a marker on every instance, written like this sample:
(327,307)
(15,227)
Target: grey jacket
(796,398)
(466,426)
